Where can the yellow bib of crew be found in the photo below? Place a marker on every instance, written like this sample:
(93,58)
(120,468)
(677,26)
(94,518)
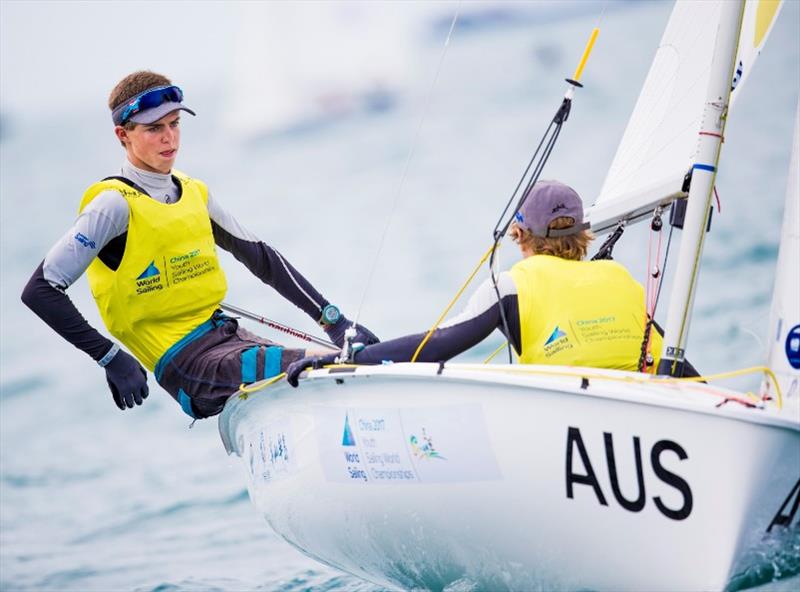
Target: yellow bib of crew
(169,280)
(581,313)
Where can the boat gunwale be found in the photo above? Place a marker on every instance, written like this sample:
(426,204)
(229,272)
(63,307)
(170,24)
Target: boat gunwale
(617,385)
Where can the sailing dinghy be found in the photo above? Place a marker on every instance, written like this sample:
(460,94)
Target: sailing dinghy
(466,476)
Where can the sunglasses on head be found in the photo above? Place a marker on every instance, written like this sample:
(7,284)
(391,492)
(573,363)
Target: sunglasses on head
(148,100)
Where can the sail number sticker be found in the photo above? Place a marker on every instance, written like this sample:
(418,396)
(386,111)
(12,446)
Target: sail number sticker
(270,451)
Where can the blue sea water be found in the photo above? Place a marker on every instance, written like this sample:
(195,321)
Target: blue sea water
(95,499)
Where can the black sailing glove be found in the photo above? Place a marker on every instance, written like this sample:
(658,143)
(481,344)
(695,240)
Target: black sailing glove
(363,335)
(296,368)
(127,380)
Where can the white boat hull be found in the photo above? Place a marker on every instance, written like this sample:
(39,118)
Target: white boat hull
(516,477)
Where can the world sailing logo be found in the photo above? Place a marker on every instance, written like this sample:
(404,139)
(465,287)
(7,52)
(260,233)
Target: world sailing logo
(558,341)
(354,466)
(149,280)
(151,271)
(555,335)
(347,436)
(424,449)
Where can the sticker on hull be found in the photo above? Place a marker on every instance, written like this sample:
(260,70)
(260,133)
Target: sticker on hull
(417,445)
(271,452)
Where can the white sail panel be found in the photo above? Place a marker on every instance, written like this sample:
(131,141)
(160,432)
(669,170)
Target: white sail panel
(661,137)
(757,22)
(660,141)
(784,318)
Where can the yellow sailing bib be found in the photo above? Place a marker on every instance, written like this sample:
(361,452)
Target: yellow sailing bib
(581,313)
(169,280)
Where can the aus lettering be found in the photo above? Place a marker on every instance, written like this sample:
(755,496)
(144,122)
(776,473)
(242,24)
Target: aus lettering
(580,471)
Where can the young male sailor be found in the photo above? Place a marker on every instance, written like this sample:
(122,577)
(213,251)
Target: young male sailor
(146,238)
(559,309)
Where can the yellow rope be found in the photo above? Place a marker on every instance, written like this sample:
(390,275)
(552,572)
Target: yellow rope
(452,302)
(497,351)
(247,389)
(645,378)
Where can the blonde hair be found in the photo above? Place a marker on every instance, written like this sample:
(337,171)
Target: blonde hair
(573,246)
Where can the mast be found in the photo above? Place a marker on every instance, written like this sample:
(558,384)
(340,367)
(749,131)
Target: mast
(704,172)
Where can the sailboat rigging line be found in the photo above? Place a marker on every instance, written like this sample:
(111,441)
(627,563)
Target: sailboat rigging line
(654,276)
(651,310)
(602,14)
(503,319)
(640,379)
(452,303)
(548,141)
(495,352)
(246,389)
(663,267)
(558,120)
(607,248)
(519,184)
(409,156)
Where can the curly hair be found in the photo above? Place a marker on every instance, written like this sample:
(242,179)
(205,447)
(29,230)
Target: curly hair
(572,246)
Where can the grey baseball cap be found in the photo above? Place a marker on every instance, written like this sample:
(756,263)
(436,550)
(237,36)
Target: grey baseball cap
(153,115)
(546,201)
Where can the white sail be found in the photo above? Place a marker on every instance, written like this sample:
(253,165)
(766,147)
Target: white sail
(660,141)
(759,17)
(784,321)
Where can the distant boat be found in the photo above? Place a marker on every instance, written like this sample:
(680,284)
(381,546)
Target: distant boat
(492,477)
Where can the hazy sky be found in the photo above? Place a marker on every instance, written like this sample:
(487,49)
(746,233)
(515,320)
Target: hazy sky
(56,53)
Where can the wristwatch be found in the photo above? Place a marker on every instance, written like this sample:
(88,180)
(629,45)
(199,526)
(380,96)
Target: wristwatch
(330,315)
